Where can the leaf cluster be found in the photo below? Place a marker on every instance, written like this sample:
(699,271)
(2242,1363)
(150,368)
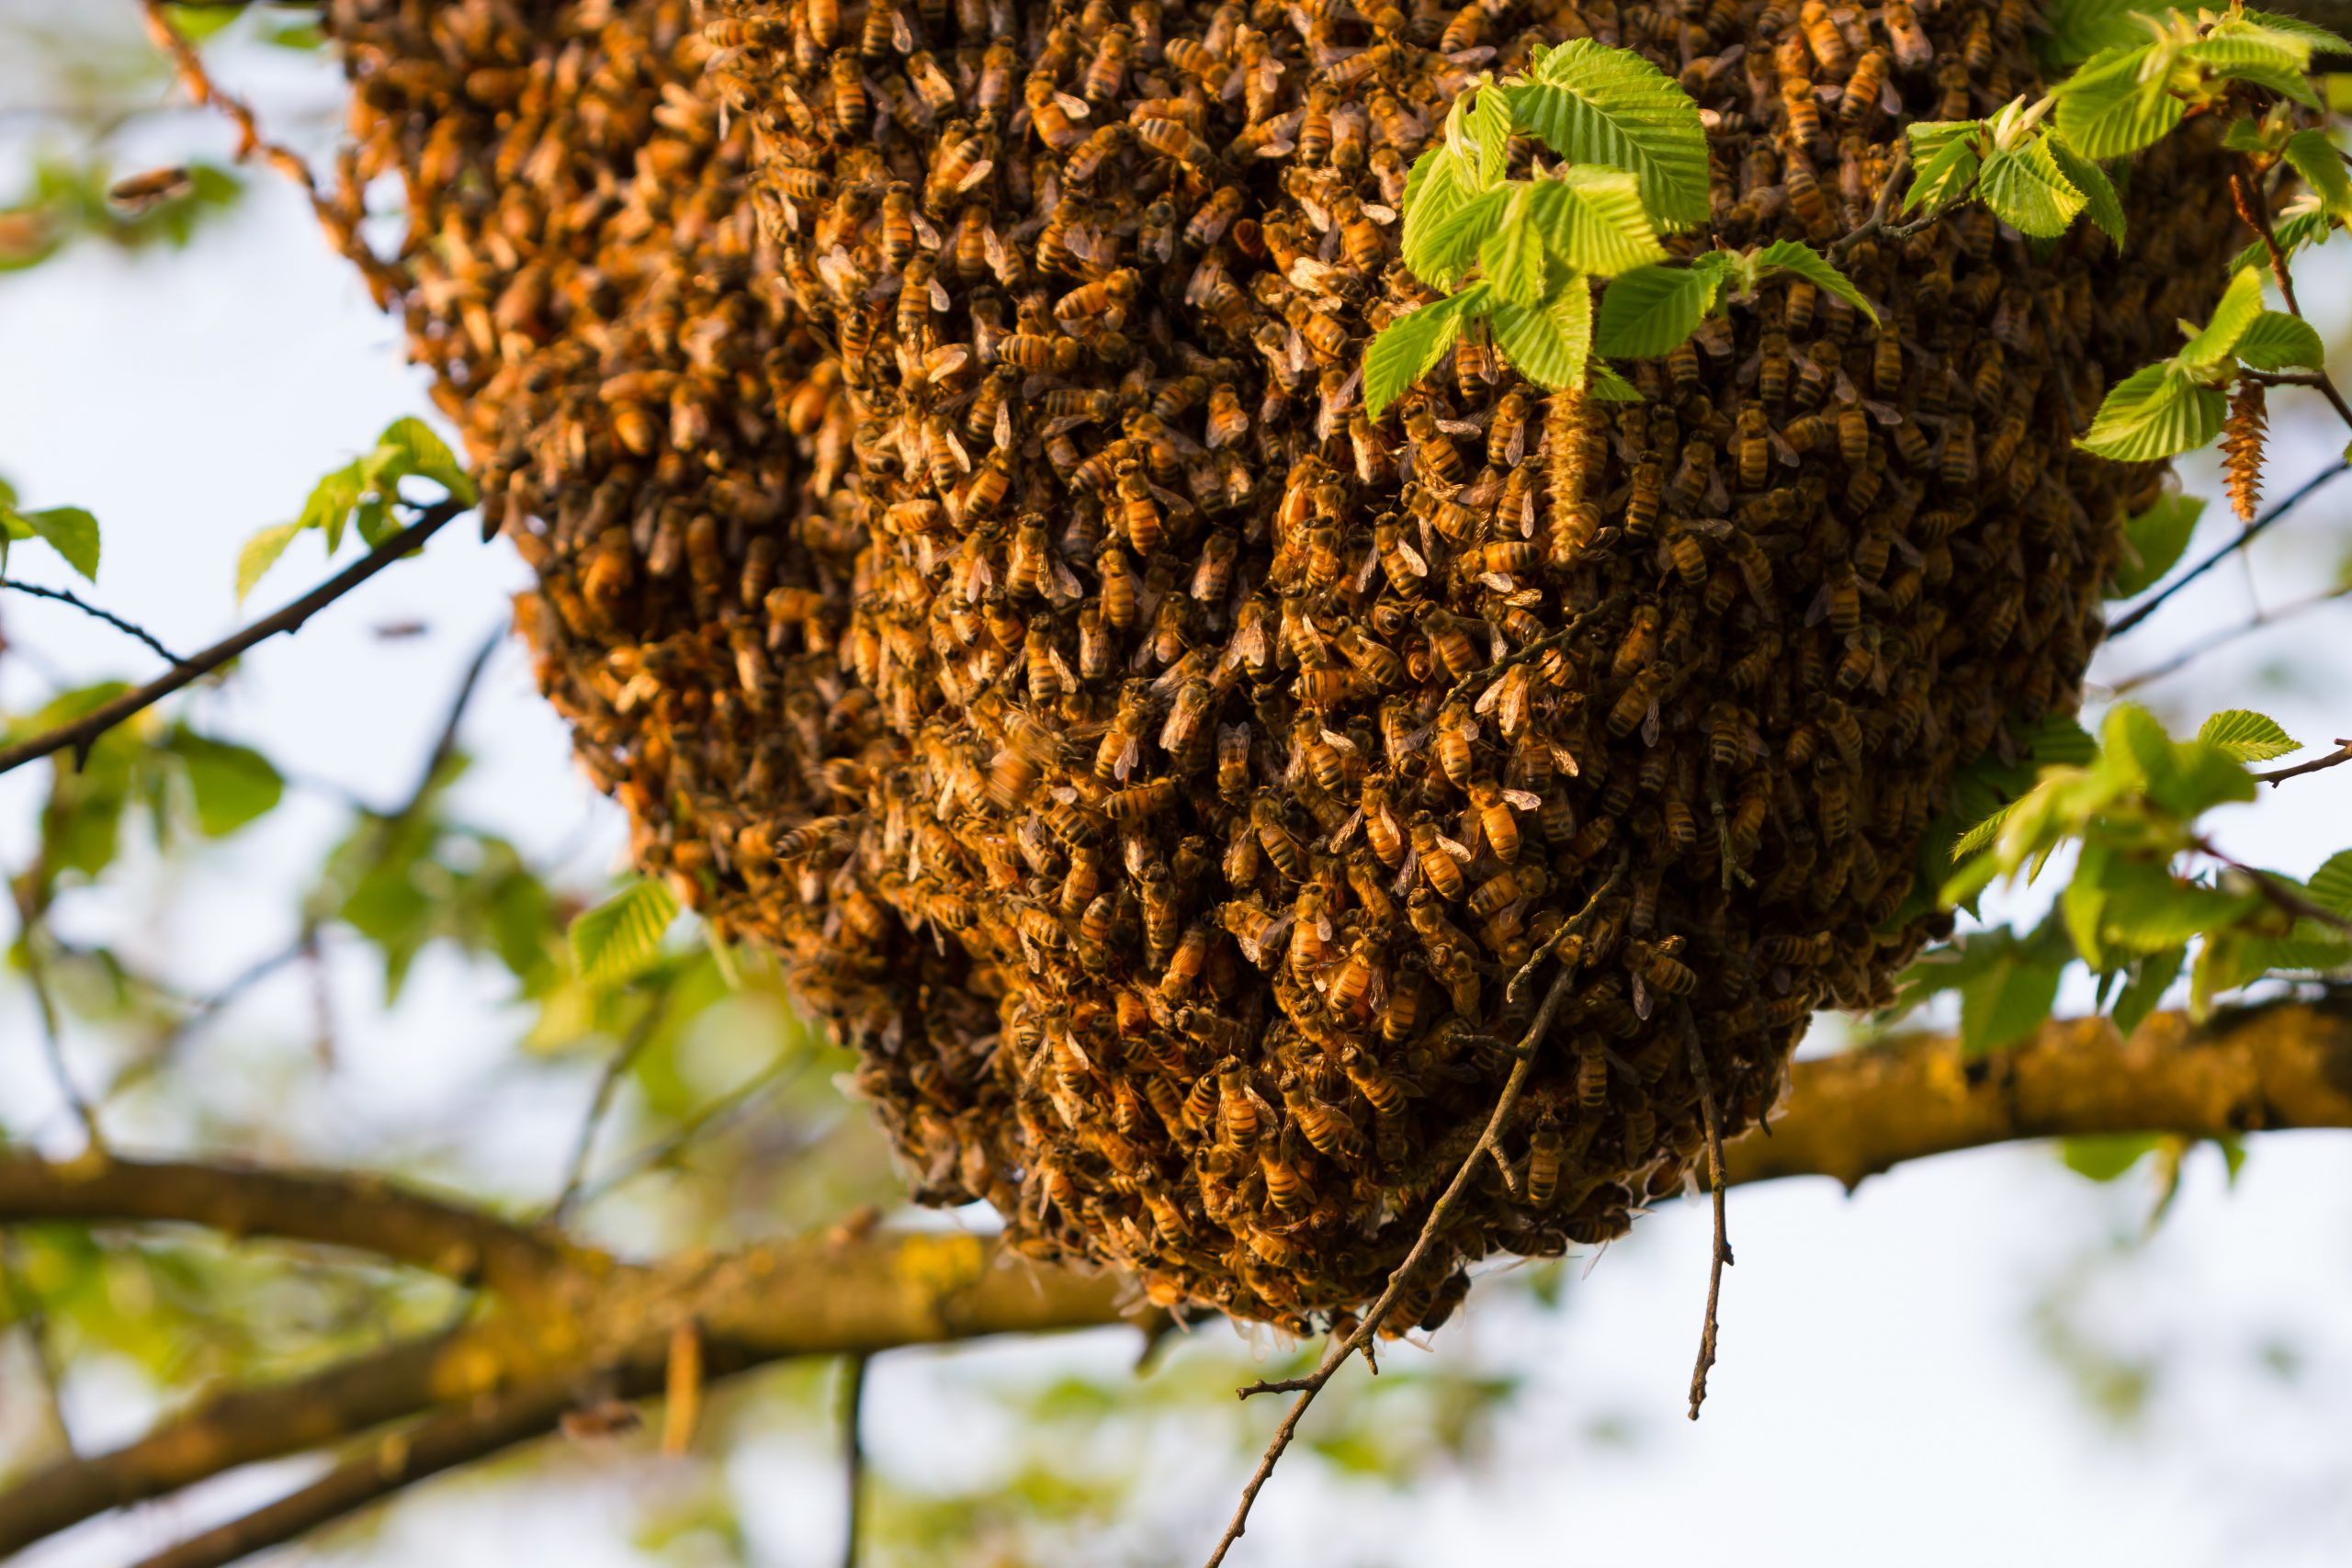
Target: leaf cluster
(359,496)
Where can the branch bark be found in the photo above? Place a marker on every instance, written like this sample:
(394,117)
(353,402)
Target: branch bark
(368,1213)
(509,1377)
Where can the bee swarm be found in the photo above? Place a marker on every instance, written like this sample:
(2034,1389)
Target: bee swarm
(936,430)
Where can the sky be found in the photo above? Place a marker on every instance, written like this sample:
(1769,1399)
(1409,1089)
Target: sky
(1891,1387)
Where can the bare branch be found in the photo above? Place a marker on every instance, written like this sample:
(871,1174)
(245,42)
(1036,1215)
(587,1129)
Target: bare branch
(852,1399)
(79,734)
(2337,757)
(65,596)
(1439,1212)
(2226,636)
(2253,530)
(1721,1254)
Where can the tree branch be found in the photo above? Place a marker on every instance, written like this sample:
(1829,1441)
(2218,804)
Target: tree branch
(365,1213)
(65,596)
(2253,530)
(79,734)
(1849,1116)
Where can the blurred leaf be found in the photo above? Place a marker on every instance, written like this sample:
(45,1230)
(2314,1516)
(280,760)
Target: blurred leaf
(622,935)
(2105,1157)
(2153,542)
(260,553)
(231,784)
(2010,997)
(2152,975)
(70,531)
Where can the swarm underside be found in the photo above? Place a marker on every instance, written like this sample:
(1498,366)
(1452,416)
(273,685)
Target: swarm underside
(979,581)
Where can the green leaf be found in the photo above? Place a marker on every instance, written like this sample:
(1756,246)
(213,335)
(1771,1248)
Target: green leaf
(2103,1156)
(2331,885)
(70,531)
(1611,388)
(2105,206)
(2152,975)
(2080,28)
(2214,347)
(1944,178)
(1513,258)
(1549,343)
(408,445)
(197,23)
(2008,1001)
(1929,137)
(1409,347)
(1592,104)
(1796,256)
(331,500)
(2267,58)
(1488,123)
(2314,37)
(1592,219)
(2105,110)
(2296,231)
(2153,542)
(2278,341)
(2248,736)
(1441,183)
(1646,312)
(231,784)
(622,936)
(2145,908)
(261,552)
(2153,414)
(2085,901)
(2026,190)
(2315,158)
(1447,251)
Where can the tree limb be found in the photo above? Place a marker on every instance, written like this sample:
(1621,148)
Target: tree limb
(79,734)
(365,1213)
(2283,1066)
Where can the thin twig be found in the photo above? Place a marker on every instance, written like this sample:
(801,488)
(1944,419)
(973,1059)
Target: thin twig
(36,965)
(2337,757)
(1519,656)
(2226,636)
(2275,893)
(619,1063)
(26,1310)
(1877,219)
(65,596)
(82,732)
(2276,514)
(445,745)
(1337,1355)
(728,1104)
(2247,197)
(1722,1254)
(852,1401)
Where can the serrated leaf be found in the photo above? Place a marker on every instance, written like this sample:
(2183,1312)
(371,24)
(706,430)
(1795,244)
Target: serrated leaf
(2105,110)
(1551,344)
(2080,28)
(1797,257)
(1409,347)
(1611,388)
(2026,190)
(2294,231)
(70,531)
(2216,344)
(1929,137)
(1592,104)
(1944,178)
(1448,249)
(2152,541)
(2278,341)
(2105,206)
(622,936)
(2145,908)
(2153,414)
(1648,311)
(1513,259)
(1593,220)
(1979,839)
(2315,158)
(261,552)
(1438,186)
(2314,37)
(1488,125)
(2331,885)
(2249,736)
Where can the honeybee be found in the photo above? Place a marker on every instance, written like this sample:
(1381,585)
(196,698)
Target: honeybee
(1546,1146)
(1913,49)
(1441,858)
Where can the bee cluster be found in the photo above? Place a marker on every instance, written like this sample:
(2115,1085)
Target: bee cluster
(981,582)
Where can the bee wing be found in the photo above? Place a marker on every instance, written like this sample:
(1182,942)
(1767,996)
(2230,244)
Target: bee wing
(1364,572)
(1488,698)
(940,299)
(1566,761)
(1885,414)
(1405,878)
(1062,584)
(979,170)
(1412,557)
(1457,849)
(1077,108)
(902,37)
(1004,424)
(1781,445)
(1523,800)
(1348,828)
